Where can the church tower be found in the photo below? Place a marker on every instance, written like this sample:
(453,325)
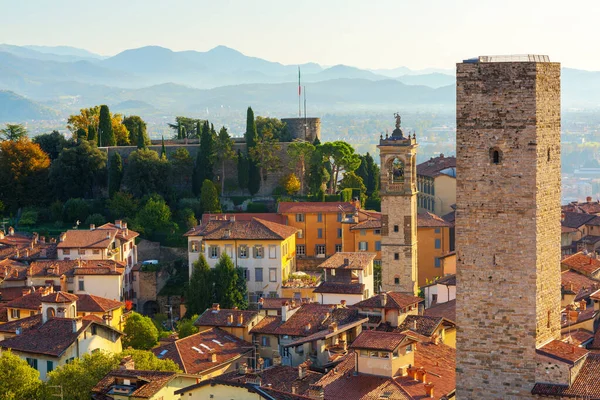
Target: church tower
(508,296)
(398,192)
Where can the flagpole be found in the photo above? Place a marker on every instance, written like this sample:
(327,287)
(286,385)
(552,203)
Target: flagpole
(305,120)
(299,95)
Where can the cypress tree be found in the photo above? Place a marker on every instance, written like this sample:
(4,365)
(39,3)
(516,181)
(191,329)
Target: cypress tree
(251,138)
(141,138)
(198,129)
(92,134)
(81,134)
(200,291)
(316,142)
(207,148)
(197,174)
(115,174)
(107,137)
(183,133)
(242,170)
(179,132)
(163,150)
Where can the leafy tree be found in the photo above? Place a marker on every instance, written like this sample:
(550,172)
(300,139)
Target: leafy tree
(179,135)
(318,174)
(81,134)
(146,360)
(182,166)
(137,131)
(264,155)
(19,381)
(23,173)
(277,127)
(186,327)
(51,143)
(188,126)
(188,218)
(209,198)
(224,152)
(251,139)
(352,181)
(78,377)
(86,119)
(13,132)
(205,158)
(291,183)
(120,132)
(300,153)
(146,173)
(115,174)
(76,210)
(154,216)
(78,170)
(29,217)
(242,170)
(140,332)
(122,205)
(95,219)
(105,128)
(341,157)
(227,290)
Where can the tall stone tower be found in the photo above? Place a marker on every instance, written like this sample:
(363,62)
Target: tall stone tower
(507,222)
(399,211)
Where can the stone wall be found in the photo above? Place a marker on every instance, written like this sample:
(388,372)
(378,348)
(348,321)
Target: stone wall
(304,128)
(508,291)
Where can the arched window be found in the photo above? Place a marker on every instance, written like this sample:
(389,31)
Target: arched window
(495,156)
(73,311)
(50,312)
(396,170)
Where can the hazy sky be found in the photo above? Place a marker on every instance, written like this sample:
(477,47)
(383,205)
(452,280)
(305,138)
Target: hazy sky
(363,33)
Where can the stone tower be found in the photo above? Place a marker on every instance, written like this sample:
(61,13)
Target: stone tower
(399,211)
(507,222)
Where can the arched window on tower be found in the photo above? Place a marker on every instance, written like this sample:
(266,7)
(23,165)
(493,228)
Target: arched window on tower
(495,156)
(50,312)
(396,171)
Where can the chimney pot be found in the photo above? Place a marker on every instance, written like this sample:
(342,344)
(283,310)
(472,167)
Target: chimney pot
(216,306)
(213,357)
(588,199)
(92,227)
(346,261)
(240,319)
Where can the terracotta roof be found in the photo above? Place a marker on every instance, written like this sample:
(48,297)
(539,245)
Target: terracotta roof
(582,263)
(420,324)
(579,284)
(3,315)
(59,297)
(589,207)
(314,207)
(430,220)
(85,239)
(445,310)
(268,325)
(578,337)
(394,300)
(8,294)
(376,340)
(585,385)
(312,318)
(280,377)
(355,260)
(212,317)
(98,267)
(123,234)
(275,303)
(23,323)
(566,229)
(255,229)
(435,165)
(340,288)
(91,303)
(52,338)
(57,268)
(367,224)
(582,315)
(272,217)
(448,280)
(193,353)
(261,392)
(31,301)
(563,351)
(575,219)
(148,382)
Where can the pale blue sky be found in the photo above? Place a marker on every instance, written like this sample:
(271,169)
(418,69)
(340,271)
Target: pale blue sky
(363,33)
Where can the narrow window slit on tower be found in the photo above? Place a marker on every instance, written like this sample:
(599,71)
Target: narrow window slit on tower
(495,153)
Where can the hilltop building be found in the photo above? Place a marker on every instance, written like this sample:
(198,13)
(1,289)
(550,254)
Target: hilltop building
(436,182)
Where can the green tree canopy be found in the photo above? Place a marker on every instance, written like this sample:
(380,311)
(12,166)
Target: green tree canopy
(182,166)
(352,181)
(369,172)
(115,174)
(76,210)
(300,153)
(140,332)
(78,170)
(154,216)
(146,173)
(251,136)
(227,290)
(186,327)
(188,126)
(242,170)
(51,143)
(205,158)
(318,174)
(277,128)
(265,155)
(224,152)
(13,132)
(341,157)
(199,295)
(19,381)
(137,131)
(209,198)
(122,205)
(105,128)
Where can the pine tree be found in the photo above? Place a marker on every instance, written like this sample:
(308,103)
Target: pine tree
(163,149)
(115,174)
(207,148)
(200,290)
(251,138)
(107,138)
(92,134)
(316,142)
(227,292)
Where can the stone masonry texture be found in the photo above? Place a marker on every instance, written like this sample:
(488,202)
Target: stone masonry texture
(507,224)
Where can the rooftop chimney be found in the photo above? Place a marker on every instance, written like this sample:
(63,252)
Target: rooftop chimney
(307,327)
(346,262)
(213,357)
(92,227)
(343,303)
(216,307)
(118,223)
(303,369)
(316,392)
(62,237)
(1,235)
(383,299)
(243,369)
(421,375)
(429,389)
(11,231)
(582,305)
(253,379)
(588,199)
(240,319)
(229,319)
(333,327)
(127,363)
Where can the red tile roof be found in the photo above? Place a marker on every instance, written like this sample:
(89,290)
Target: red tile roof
(193,353)
(91,303)
(59,297)
(435,165)
(213,317)
(279,377)
(84,302)
(579,284)
(563,351)
(577,337)
(370,223)
(423,325)
(23,323)
(124,234)
(375,340)
(85,239)
(394,300)
(430,220)
(581,263)
(272,217)
(585,385)
(255,229)
(312,318)
(349,260)
(445,310)
(268,325)
(314,207)
(148,383)
(340,288)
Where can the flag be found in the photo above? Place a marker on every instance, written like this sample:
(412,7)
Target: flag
(299,87)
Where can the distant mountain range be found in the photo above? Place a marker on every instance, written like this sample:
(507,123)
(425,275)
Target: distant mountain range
(160,81)
(17,108)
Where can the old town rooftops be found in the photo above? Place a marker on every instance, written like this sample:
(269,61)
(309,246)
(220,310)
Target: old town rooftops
(436,165)
(563,351)
(349,260)
(430,220)
(147,383)
(272,217)
(96,237)
(315,207)
(312,318)
(582,263)
(374,340)
(216,316)
(255,229)
(84,302)
(390,300)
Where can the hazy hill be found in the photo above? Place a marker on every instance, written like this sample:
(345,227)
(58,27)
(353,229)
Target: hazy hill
(37,54)
(15,108)
(66,51)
